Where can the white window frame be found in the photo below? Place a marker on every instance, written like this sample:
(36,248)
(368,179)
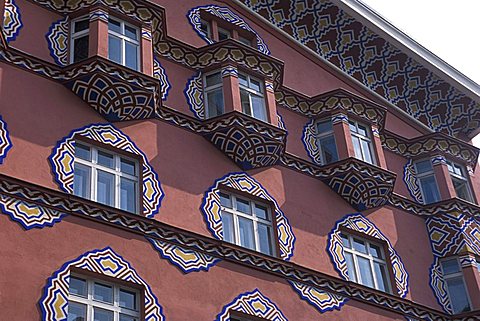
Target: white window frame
(326,134)
(118,174)
(459,172)
(114,307)
(361,138)
(251,92)
(418,176)
(75,35)
(370,258)
(236,226)
(206,90)
(124,38)
(453,276)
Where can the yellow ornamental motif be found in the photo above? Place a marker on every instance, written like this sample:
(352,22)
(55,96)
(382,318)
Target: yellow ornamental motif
(216,212)
(185,256)
(58,305)
(29,211)
(66,161)
(259,306)
(109,264)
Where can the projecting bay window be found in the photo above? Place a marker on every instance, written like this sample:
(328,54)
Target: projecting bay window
(362,142)
(456,288)
(97,300)
(459,176)
(123,43)
(326,142)
(213,91)
(252,96)
(366,263)
(79,38)
(247,223)
(426,179)
(217,30)
(106,178)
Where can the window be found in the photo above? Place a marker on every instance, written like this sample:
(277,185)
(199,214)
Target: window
(362,143)
(326,142)
(123,43)
(453,277)
(459,177)
(79,39)
(106,178)
(224,31)
(97,300)
(426,179)
(247,223)
(205,27)
(252,96)
(478,265)
(366,263)
(223,34)
(213,89)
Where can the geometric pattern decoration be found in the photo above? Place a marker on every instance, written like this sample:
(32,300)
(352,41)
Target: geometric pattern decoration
(431,144)
(12,20)
(244,183)
(161,75)
(186,260)
(310,142)
(28,214)
(281,123)
(194,95)
(323,301)
(63,156)
(248,142)
(54,302)
(194,17)
(57,39)
(344,41)
(5,142)
(254,304)
(410,179)
(451,233)
(359,223)
(360,184)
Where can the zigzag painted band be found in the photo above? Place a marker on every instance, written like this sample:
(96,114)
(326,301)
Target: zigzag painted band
(12,20)
(5,142)
(57,39)
(323,301)
(160,73)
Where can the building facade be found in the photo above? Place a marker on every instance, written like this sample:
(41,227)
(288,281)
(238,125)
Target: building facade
(231,160)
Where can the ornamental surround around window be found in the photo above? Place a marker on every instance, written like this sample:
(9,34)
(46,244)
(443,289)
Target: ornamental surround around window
(247,223)
(427,181)
(460,181)
(92,299)
(366,262)
(105,177)
(455,285)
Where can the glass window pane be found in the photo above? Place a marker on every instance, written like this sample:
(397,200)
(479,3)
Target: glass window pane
(81,180)
(77,286)
(345,240)
(81,25)
(256,85)
(131,32)
(423,166)
(105,159)
(114,49)
(245,101)
(242,79)
(103,293)
(381,276)
(458,295)
(362,130)
(114,25)
(246,233)
(80,48)
(243,206)
(350,267)
(128,299)
(225,200)
(356,147)
(82,151)
(205,27)
(376,251)
(124,317)
(367,154)
(213,79)
(105,188)
(227,224)
(450,266)
(365,271)
(461,189)
(128,195)
(131,55)
(102,315)
(264,238)
(223,34)
(352,126)
(245,41)
(261,212)
(258,106)
(128,166)
(215,102)
(328,149)
(429,189)
(359,245)
(76,312)
(324,127)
